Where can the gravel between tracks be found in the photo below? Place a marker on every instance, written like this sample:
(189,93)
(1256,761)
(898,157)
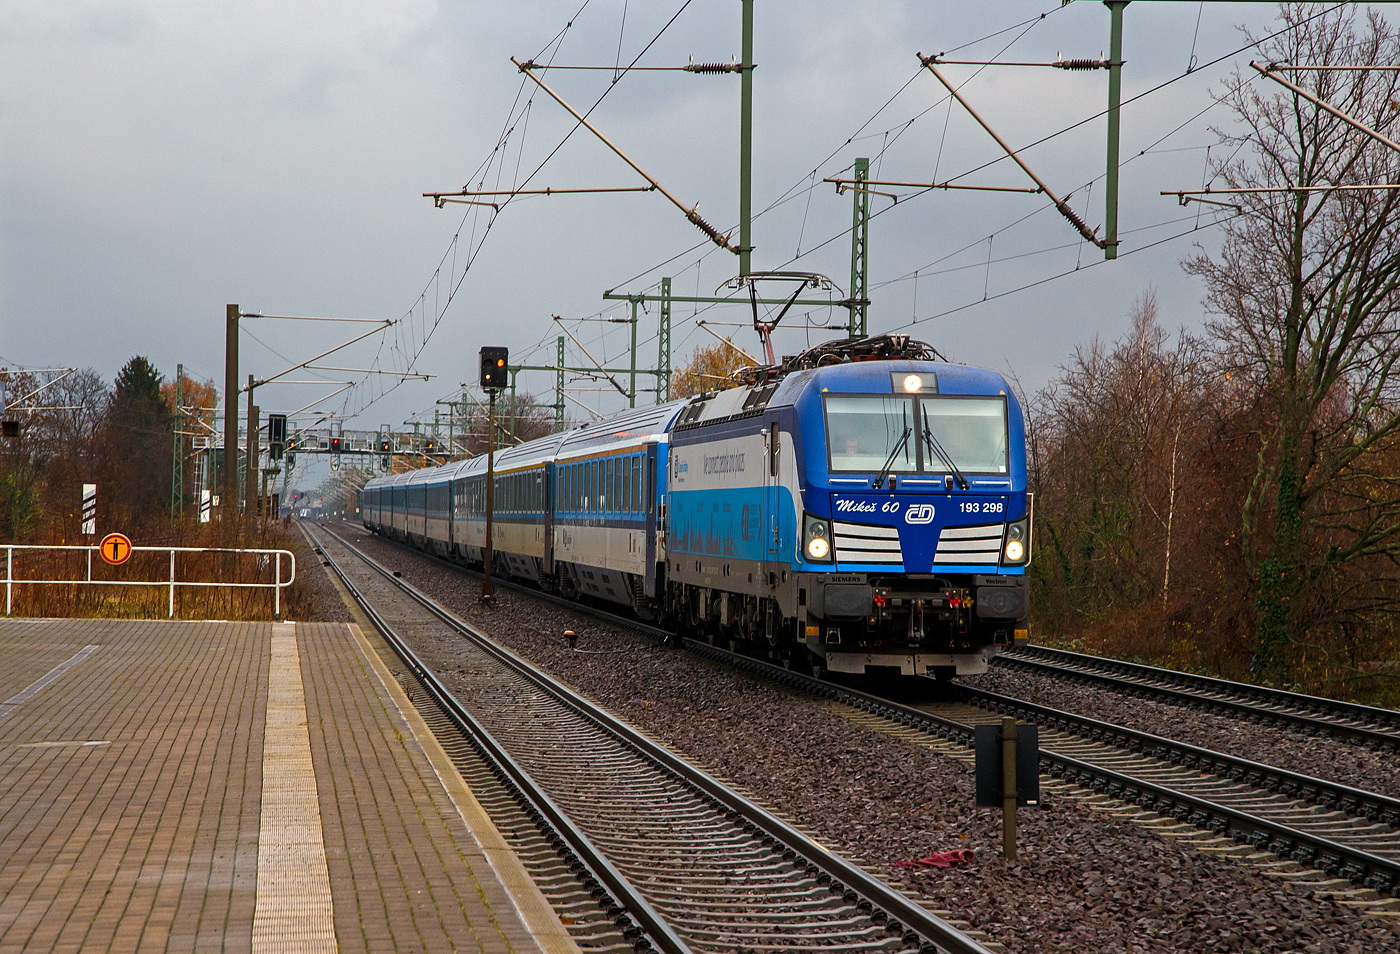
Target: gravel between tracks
(330,608)
(1374,770)
(1083,882)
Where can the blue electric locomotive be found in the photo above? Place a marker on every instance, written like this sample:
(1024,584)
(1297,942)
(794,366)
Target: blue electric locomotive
(862,508)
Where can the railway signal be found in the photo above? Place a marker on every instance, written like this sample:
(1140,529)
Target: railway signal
(277,434)
(495,375)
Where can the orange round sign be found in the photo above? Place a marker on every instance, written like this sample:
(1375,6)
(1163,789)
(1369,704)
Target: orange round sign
(115,548)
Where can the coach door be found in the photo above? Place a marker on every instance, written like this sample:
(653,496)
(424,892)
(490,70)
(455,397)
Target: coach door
(654,522)
(771,480)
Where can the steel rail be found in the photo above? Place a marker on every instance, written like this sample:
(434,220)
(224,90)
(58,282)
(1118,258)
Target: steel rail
(1257,700)
(1330,795)
(903,913)
(660,933)
(1358,865)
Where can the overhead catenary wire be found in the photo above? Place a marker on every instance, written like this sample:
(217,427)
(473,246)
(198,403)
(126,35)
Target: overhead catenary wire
(808,178)
(412,349)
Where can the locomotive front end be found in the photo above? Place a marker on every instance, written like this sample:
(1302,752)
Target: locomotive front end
(915,530)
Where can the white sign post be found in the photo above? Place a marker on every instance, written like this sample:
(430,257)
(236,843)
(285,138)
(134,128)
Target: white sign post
(89,508)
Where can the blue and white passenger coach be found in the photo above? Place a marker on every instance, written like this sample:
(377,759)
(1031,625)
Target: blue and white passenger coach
(862,508)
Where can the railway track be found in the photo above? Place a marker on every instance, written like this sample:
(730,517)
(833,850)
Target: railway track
(1365,725)
(1237,806)
(680,861)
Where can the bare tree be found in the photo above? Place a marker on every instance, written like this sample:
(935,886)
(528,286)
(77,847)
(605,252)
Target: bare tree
(1305,286)
(518,419)
(1113,439)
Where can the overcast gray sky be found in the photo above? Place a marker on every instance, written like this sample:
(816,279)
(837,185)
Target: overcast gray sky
(163,158)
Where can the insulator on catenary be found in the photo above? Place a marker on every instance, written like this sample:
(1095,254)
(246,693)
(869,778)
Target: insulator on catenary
(1081,64)
(712,68)
(1078,223)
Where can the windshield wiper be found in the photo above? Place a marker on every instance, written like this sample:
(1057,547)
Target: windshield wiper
(889,461)
(944,456)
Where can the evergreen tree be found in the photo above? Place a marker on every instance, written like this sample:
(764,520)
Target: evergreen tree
(137,441)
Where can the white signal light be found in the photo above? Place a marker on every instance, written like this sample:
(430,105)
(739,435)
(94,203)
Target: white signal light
(818,548)
(913,383)
(1015,550)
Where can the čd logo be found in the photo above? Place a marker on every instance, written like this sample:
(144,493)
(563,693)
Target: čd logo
(919,513)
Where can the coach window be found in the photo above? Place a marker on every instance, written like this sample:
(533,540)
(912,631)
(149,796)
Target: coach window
(627,483)
(636,484)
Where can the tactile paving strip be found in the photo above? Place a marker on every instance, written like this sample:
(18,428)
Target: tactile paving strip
(293,910)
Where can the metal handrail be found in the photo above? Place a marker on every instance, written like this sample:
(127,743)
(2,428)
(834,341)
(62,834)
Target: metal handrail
(277,586)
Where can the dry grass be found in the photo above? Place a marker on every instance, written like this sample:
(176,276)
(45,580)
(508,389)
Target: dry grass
(117,601)
(1356,670)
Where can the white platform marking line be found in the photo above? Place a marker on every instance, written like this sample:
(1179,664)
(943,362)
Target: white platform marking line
(293,911)
(37,686)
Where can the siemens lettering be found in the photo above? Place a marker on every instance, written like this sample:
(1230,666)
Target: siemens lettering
(725,464)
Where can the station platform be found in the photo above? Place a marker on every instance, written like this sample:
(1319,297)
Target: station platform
(193,786)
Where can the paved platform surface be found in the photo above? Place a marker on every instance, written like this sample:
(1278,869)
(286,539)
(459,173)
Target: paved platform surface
(214,786)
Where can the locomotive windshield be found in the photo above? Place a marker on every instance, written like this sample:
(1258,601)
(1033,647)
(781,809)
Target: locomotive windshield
(864,429)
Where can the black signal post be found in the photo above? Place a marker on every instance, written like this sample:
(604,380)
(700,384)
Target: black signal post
(494,376)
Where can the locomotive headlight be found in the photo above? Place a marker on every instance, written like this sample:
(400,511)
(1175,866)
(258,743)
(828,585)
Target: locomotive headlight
(913,383)
(1016,547)
(816,539)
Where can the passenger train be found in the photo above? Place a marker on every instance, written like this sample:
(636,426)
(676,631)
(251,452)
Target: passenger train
(862,508)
